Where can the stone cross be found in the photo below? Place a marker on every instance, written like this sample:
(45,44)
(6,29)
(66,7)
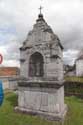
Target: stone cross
(40,9)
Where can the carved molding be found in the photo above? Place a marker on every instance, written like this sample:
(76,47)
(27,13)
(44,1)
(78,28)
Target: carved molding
(22,60)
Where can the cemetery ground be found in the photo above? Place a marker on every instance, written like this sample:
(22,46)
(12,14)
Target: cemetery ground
(9,117)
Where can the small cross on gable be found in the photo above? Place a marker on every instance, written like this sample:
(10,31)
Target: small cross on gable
(40,9)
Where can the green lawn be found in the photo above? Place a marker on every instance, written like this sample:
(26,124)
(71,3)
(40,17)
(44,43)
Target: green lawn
(9,117)
(74,79)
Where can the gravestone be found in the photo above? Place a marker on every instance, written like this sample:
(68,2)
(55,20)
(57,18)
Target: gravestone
(41,87)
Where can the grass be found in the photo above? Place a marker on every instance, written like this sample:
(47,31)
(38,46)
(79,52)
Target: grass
(9,117)
(74,79)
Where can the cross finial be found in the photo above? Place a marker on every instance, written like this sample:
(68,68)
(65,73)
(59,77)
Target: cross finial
(40,9)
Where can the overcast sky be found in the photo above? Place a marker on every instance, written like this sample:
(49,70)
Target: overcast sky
(18,16)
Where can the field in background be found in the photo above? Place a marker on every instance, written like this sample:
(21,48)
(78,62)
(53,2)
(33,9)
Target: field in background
(74,86)
(74,79)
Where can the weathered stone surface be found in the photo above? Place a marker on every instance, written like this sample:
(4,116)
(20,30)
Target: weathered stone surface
(41,91)
(46,43)
(43,100)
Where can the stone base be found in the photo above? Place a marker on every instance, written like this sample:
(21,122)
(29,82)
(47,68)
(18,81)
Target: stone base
(46,115)
(44,101)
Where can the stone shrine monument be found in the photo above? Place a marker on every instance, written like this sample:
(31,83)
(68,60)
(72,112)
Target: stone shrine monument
(41,88)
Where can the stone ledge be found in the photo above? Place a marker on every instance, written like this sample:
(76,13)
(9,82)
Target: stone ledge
(46,115)
(41,84)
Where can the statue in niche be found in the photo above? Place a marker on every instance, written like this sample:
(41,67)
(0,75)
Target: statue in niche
(36,65)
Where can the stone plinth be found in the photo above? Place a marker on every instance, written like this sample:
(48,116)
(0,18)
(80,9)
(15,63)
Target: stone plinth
(44,98)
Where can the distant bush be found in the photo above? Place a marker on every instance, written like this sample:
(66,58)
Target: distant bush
(74,86)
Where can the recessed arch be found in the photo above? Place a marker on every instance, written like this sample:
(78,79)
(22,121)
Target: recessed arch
(36,65)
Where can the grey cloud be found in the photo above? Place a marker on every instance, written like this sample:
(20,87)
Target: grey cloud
(64,16)
(69,56)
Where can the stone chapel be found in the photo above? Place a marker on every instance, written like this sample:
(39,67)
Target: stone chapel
(41,87)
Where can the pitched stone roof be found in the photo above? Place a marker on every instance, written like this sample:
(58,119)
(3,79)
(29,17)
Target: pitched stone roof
(40,26)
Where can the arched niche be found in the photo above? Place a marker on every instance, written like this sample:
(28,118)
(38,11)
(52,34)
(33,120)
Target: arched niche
(36,65)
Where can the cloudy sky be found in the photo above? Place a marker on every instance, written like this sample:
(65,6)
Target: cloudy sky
(18,16)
